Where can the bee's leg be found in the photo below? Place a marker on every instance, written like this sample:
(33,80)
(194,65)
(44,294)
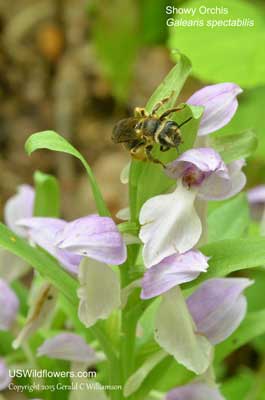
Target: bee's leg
(161,103)
(138,151)
(170,111)
(140,112)
(149,156)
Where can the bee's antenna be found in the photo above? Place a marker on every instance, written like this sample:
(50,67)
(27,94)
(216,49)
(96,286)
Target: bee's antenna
(185,122)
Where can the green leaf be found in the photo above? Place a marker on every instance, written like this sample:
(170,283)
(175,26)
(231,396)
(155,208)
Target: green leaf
(219,221)
(45,264)
(238,386)
(47,198)
(141,172)
(221,53)
(136,379)
(234,146)
(252,326)
(52,141)
(231,255)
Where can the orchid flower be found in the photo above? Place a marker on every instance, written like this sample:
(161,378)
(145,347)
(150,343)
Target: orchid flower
(172,271)
(189,329)
(195,391)
(4,375)
(256,199)
(170,222)
(92,236)
(68,346)
(8,306)
(220,105)
(19,206)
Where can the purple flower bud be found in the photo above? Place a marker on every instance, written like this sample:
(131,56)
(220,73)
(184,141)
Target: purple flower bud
(195,391)
(67,346)
(220,104)
(95,237)
(19,206)
(8,306)
(218,307)
(4,375)
(43,232)
(172,271)
(204,170)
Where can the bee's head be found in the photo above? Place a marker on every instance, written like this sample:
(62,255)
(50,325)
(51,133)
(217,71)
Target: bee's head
(124,130)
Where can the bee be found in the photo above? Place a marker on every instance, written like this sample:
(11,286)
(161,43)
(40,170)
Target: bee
(141,132)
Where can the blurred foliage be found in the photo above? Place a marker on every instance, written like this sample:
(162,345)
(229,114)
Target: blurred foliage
(224,53)
(116,32)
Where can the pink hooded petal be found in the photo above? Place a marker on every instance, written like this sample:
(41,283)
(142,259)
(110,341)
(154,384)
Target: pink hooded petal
(220,105)
(95,237)
(19,206)
(67,346)
(4,375)
(194,166)
(172,271)
(8,306)
(218,307)
(43,232)
(195,391)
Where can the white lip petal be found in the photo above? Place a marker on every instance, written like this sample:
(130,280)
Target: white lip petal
(175,333)
(170,224)
(99,291)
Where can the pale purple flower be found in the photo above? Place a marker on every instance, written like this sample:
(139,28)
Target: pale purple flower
(8,306)
(4,375)
(172,271)
(218,307)
(19,206)
(256,195)
(256,199)
(204,170)
(67,346)
(220,105)
(195,391)
(43,232)
(94,237)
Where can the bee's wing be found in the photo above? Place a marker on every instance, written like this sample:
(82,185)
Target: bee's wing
(124,131)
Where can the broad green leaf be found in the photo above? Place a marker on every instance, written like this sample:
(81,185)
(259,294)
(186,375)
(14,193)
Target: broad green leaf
(231,255)
(252,326)
(140,172)
(223,53)
(234,146)
(47,198)
(52,141)
(136,379)
(219,221)
(45,264)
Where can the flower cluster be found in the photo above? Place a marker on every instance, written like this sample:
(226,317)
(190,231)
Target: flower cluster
(172,227)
